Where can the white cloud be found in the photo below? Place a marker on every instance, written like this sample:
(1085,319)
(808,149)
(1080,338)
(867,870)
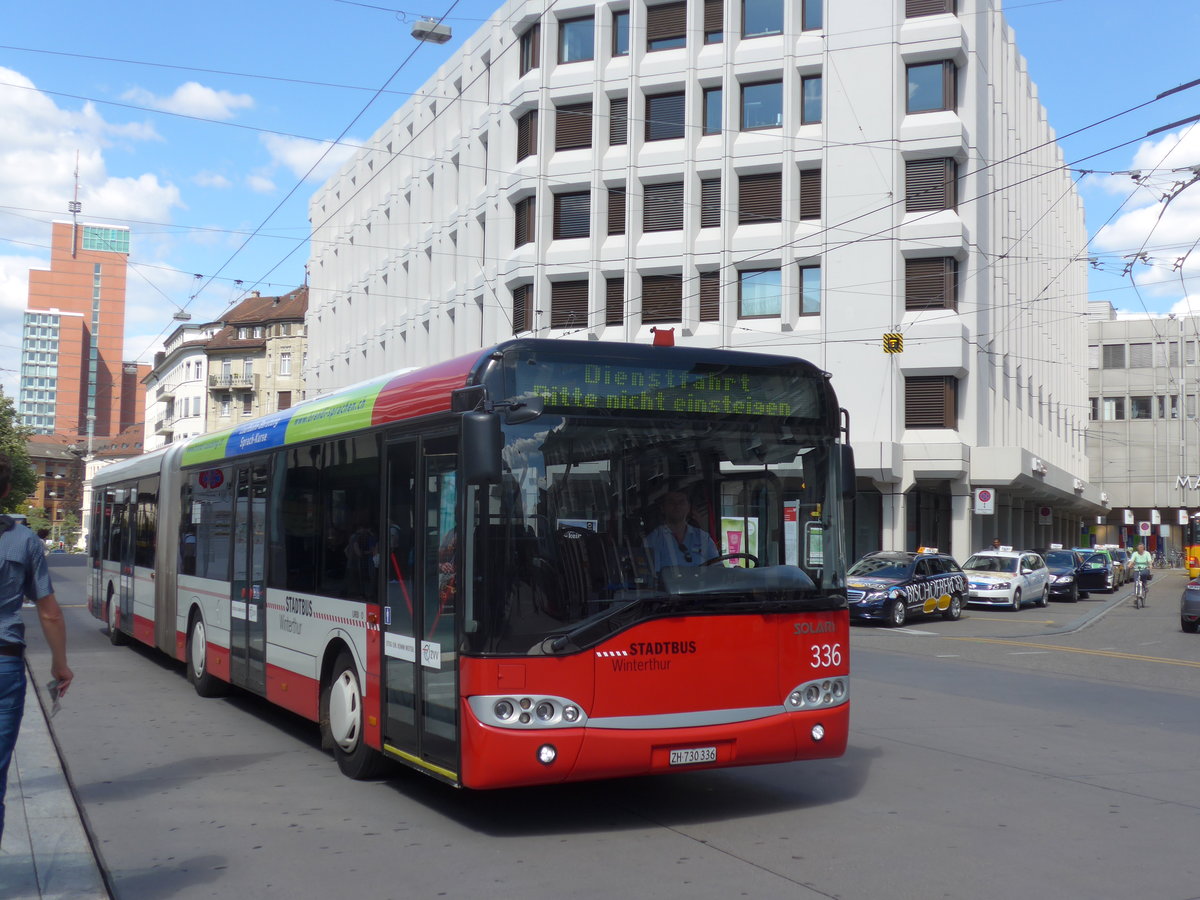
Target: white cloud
(194,99)
(260,184)
(211,180)
(42,146)
(300,155)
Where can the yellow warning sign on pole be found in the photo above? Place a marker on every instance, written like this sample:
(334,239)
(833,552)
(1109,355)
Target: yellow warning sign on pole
(893,343)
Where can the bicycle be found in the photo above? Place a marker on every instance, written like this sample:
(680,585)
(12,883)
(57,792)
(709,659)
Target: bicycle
(1140,590)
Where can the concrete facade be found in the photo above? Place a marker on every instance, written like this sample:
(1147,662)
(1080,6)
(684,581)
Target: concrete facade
(1144,440)
(760,176)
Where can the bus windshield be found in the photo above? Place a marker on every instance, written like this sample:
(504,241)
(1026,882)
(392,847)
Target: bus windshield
(602,522)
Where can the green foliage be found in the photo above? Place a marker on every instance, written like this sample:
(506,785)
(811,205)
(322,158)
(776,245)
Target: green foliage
(12,441)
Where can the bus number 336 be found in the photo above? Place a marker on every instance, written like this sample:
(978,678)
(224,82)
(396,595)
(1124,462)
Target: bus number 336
(826,655)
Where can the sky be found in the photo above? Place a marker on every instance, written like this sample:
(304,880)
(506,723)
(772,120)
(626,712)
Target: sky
(207,129)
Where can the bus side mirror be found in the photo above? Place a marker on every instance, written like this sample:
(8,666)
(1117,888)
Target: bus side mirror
(849,485)
(481,445)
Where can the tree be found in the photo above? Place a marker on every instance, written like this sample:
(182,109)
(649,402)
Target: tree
(13,436)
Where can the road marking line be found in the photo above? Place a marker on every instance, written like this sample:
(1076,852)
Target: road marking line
(1112,653)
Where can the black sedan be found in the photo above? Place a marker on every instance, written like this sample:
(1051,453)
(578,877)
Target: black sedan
(1189,607)
(1073,574)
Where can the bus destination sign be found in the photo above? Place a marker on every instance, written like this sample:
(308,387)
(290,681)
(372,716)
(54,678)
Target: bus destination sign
(725,390)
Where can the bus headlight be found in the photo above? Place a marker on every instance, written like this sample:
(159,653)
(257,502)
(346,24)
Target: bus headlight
(823,693)
(547,754)
(527,711)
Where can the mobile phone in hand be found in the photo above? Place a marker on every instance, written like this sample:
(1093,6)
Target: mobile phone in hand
(54,689)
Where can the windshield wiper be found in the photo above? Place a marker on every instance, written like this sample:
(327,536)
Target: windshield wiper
(557,643)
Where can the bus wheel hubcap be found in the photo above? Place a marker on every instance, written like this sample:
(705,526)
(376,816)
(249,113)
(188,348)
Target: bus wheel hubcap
(345,711)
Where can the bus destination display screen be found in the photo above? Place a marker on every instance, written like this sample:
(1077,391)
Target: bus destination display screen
(703,389)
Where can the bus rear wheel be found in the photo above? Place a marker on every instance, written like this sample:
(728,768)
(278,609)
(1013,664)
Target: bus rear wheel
(342,722)
(205,683)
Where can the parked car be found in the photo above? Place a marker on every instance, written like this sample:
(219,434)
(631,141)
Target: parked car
(1114,575)
(891,586)
(1125,558)
(1071,576)
(1189,607)
(1007,578)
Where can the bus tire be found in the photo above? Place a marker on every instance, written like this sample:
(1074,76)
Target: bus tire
(111,607)
(343,721)
(205,683)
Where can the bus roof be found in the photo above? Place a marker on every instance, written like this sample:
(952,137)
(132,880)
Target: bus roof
(418,392)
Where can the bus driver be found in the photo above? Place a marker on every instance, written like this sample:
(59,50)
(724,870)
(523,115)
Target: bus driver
(676,542)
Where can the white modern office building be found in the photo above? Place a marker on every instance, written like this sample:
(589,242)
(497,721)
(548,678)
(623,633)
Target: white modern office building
(1144,441)
(807,178)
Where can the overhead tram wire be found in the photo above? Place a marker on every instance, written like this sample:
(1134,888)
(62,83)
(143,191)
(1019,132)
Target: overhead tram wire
(890,229)
(300,182)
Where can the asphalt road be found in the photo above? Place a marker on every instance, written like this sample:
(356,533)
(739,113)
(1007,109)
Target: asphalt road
(1046,753)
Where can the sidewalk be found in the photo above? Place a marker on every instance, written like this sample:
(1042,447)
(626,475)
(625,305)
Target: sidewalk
(46,854)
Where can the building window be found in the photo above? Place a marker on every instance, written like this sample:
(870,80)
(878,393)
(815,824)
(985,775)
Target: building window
(810,194)
(662,299)
(616,210)
(666,26)
(573,126)
(243,334)
(569,304)
(916,8)
(1114,409)
(714,21)
(285,364)
(620,25)
(932,87)
(523,212)
(931,283)
(710,296)
(285,400)
(571,215)
(527,135)
(1114,356)
(247,405)
(530,49)
(712,110)
(522,294)
(576,40)
(812,15)
(1140,407)
(1141,356)
(665,116)
(662,206)
(761,18)
(810,100)
(258,331)
(614,300)
(930,184)
(762,105)
(931,401)
(1095,409)
(226,407)
(710,202)
(618,121)
(760,198)
(810,290)
(760,293)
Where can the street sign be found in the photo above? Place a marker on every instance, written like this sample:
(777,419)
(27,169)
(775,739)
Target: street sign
(1144,529)
(1045,515)
(893,343)
(985,502)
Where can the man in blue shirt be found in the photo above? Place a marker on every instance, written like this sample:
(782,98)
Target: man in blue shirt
(23,572)
(675,542)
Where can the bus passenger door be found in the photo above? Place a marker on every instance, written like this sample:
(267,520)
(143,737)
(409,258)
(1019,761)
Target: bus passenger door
(127,504)
(420,616)
(248,619)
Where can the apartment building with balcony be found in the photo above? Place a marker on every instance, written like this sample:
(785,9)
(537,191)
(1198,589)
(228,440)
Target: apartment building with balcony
(177,386)
(256,358)
(805,178)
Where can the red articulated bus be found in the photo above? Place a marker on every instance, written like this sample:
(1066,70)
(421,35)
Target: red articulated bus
(549,561)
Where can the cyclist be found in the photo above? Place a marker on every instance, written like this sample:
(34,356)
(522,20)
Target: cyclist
(1141,573)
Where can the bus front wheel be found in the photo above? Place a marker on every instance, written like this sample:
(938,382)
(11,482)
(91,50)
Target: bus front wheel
(115,637)
(205,683)
(342,722)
